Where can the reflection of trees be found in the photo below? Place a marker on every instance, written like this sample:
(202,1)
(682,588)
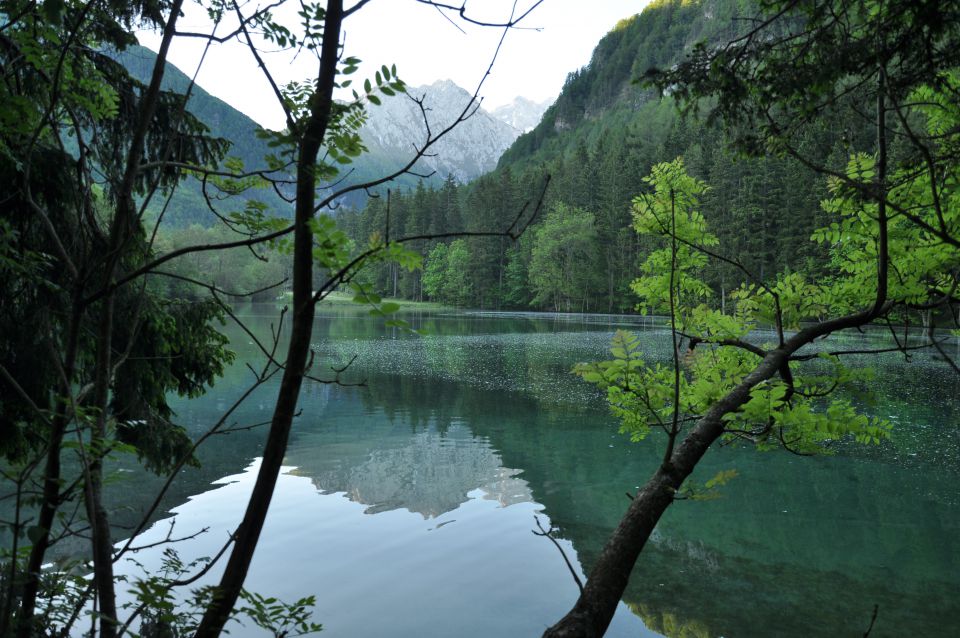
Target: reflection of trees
(669,624)
(710,556)
(843,543)
(441,417)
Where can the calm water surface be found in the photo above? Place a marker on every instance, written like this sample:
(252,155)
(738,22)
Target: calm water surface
(408,503)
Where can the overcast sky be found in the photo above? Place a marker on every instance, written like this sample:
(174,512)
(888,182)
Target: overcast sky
(557,38)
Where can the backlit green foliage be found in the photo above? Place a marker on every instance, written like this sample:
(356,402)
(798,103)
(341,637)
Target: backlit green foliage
(446,276)
(921,216)
(672,210)
(795,410)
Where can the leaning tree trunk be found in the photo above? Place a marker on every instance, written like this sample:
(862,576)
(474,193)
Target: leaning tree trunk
(100,536)
(593,611)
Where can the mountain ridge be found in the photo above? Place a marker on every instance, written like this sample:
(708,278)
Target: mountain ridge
(398,126)
(657,36)
(523,114)
(392,132)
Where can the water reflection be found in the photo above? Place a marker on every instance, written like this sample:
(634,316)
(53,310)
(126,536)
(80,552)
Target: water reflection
(474,571)
(427,471)
(460,437)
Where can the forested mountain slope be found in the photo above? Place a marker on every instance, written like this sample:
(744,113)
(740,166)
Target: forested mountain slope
(187,206)
(224,120)
(657,37)
(597,142)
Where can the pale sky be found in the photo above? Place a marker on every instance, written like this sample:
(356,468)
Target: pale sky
(423,44)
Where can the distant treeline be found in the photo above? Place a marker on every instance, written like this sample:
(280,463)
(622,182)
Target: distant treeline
(580,254)
(597,142)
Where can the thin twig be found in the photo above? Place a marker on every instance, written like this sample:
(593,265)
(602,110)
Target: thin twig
(548,533)
(873,619)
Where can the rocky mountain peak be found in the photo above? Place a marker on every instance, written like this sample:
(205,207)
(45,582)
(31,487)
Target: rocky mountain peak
(522,114)
(470,150)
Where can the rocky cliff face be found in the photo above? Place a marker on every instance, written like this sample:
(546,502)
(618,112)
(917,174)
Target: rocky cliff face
(521,114)
(470,150)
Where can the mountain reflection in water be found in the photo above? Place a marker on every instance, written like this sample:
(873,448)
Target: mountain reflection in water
(408,504)
(427,472)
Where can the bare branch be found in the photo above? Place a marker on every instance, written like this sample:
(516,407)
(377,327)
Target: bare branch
(349,12)
(214,289)
(253,17)
(175,471)
(462,12)
(263,68)
(152,265)
(695,340)
(873,619)
(9,378)
(169,538)
(548,533)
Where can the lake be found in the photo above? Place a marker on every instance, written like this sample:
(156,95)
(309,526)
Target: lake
(408,503)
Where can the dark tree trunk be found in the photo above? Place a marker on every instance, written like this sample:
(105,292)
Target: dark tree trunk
(593,611)
(608,579)
(51,481)
(122,229)
(100,536)
(248,533)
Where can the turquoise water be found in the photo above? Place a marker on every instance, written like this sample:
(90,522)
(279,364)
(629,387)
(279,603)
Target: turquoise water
(408,503)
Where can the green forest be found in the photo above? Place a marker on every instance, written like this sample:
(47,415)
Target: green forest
(599,140)
(605,132)
(769,180)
